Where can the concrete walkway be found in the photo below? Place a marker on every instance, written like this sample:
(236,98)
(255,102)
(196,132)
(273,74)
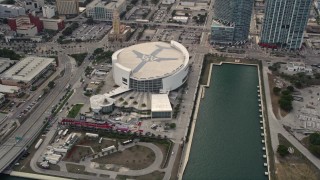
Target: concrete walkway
(276,127)
(88,165)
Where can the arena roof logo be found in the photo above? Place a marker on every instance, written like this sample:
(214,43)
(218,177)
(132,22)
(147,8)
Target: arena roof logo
(150,57)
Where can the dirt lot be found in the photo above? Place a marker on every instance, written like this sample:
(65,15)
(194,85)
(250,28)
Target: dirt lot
(78,169)
(77,153)
(156,175)
(135,158)
(295,166)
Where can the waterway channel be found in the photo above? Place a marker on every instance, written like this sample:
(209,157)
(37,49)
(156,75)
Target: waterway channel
(227,140)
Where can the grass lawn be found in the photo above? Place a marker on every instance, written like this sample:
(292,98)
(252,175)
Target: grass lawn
(135,158)
(295,166)
(156,175)
(74,110)
(78,169)
(77,153)
(79,58)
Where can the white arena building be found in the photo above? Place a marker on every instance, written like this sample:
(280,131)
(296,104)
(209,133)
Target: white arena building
(151,67)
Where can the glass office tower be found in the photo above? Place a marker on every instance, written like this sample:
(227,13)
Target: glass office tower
(284,23)
(231,14)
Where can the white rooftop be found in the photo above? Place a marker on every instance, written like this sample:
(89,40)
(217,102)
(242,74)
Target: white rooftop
(107,4)
(180,17)
(26,69)
(152,60)
(160,103)
(4,63)
(8,89)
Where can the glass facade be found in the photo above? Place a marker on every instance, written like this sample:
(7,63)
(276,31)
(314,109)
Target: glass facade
(153,85)
(164,114)
(235,13)
(284,23)
(221,34)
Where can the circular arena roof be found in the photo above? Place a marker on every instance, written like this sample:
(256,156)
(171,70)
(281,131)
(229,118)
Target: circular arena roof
(153,59)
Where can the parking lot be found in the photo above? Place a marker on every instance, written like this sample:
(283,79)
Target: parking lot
(141,13)
(190,37)
(148,35)
(167,35)
(159,15)
(91,32)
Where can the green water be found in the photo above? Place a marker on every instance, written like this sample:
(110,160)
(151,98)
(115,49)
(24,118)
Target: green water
(227,140)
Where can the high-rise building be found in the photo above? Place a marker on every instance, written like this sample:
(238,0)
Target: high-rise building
(231,22)
(284,23)
(67,7)
(119,32)
(116,23)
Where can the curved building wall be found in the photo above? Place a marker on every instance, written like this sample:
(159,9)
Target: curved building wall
(173,82)
(176,80)
(121,74)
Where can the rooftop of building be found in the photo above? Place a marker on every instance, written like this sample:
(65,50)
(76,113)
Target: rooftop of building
(153,60)
(25,26)
(26,69)
(4,63)
(99,101)
(8,89)
(12,6)
(295,64)
(107,4)
(220,23)
(180,17)
(160,103)
(51,20)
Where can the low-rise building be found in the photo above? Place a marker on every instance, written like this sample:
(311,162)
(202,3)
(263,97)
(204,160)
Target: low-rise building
(28,25)
(8,10)
(53,24)
(298,67)
(10,91)
(5,63)
(27,71)
(187,3)
(168,1)
(103,10)
(101,104)
(182,19)
(160,106)
(33,5)
(2,98)
(27,30)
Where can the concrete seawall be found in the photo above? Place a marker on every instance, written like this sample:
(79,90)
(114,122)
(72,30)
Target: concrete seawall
(35,176)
